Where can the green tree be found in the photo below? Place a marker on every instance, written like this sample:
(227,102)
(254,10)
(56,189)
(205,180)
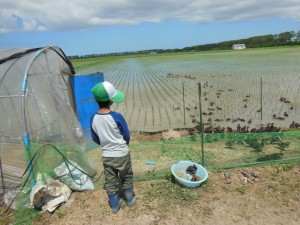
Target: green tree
(297,37)
(285,36)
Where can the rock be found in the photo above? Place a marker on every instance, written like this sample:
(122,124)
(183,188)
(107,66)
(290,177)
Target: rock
(254,174)
(243,179)
(245,174)
(248,176)
(227,177)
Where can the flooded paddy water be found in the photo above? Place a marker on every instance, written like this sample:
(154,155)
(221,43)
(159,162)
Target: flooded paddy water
(251,88)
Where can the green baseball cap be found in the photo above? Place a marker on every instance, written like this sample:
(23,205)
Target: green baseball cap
(105,91)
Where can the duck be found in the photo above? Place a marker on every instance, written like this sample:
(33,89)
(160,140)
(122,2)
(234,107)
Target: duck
(191,169)
(195,177)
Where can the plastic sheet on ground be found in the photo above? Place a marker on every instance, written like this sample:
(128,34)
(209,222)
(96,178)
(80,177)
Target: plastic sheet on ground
(9,198)
(48,194)
(74,176)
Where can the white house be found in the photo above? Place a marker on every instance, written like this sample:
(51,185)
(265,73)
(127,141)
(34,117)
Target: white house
(238,46)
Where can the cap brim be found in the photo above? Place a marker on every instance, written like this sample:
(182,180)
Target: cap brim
(119,97)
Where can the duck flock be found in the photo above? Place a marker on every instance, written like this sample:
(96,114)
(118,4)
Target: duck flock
(250,120)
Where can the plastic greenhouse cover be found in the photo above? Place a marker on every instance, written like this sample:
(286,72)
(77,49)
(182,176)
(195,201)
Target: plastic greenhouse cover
(38,125)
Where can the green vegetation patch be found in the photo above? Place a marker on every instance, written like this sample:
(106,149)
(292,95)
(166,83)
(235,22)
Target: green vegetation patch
(165,193)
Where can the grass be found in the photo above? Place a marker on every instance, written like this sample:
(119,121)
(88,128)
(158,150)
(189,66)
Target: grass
(164,199)
(216,153)
(241,190)
(60,214)
(166,192)
(6,218)
(284,167)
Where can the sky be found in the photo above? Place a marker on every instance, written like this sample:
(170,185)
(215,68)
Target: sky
(81,27)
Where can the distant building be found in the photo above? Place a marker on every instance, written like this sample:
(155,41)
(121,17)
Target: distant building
(238,46)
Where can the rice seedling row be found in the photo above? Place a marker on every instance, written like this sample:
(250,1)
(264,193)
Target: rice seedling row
(236,86)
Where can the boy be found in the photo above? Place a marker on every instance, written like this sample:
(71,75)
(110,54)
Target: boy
(109,129)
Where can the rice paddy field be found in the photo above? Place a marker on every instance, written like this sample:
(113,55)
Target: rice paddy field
(243,92)
(249,87)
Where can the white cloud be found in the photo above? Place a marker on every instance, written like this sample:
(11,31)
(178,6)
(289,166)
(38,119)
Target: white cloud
(36,15)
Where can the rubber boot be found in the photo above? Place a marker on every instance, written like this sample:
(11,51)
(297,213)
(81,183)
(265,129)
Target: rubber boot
(129,196)
(114,202)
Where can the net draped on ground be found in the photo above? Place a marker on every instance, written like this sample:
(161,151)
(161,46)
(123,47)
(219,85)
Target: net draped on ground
(38,127)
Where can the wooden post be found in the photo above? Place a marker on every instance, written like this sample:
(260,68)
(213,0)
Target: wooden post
(201,124)
(183,103)
(261,109)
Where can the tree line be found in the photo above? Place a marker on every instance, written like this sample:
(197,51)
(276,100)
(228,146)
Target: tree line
(282,39)
(271,40)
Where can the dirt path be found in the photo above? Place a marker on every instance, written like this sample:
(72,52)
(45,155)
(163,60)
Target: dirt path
(272,198)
